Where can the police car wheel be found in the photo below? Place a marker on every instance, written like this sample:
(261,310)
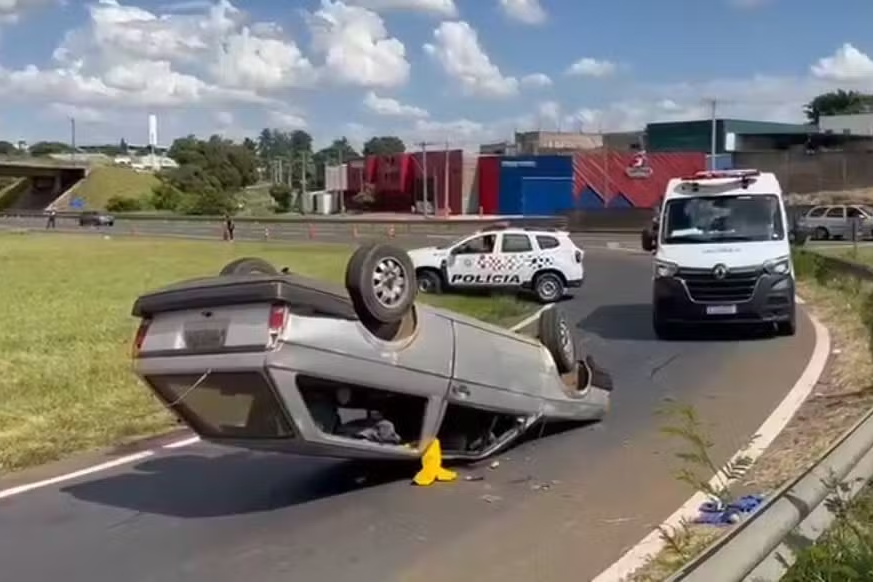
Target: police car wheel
(248,266)
(555,333)
(381,282)
(548,287)
(429,281)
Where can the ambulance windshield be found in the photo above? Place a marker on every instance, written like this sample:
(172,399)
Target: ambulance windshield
(722,218)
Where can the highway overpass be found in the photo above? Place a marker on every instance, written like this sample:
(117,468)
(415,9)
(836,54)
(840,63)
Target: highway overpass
(46,180)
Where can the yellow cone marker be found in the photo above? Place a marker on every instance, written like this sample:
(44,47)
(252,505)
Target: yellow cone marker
(432,467)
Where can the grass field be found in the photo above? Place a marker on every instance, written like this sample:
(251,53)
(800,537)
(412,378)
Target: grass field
(65,379)
(106,182)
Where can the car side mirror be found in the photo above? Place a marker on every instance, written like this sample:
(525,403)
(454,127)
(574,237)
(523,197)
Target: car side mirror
(648,240)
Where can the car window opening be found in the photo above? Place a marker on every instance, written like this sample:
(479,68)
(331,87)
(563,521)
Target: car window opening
(468,431)
(362,413)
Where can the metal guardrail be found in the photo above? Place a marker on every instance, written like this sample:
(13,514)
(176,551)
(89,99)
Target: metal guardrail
(764,546)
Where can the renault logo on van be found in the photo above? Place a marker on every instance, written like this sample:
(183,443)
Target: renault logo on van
(720,271)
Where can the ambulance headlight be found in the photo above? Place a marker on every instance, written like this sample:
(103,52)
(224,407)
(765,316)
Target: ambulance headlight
(780,266)
(665,268)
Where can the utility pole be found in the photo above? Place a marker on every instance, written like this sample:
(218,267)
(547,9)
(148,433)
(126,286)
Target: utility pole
(446,179)
(73,138)
(425,190)
(713,145)
(303,163)
(343,177)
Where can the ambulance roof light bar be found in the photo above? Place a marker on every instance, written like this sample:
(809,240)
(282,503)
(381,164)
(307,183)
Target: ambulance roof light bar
(721,174)
(720,178)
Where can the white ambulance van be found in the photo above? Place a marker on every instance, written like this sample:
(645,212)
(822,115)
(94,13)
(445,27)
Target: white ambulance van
(722,253)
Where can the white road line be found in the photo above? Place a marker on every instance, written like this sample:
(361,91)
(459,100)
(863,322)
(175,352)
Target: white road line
(182,443)
(637,556)
(13,491)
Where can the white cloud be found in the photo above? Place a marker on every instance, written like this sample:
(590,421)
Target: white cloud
(356,47)
(847,65)
(456,48)
(79,113)
(287,120)
(391,107)
(443,8)
(12,10)
(224,118)
(526,11)
(536,80)
(248,61)
(588,67)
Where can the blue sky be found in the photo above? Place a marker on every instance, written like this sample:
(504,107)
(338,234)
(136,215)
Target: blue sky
(460,70)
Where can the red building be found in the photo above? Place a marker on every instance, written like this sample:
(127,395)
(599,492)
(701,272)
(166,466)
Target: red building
(398,181)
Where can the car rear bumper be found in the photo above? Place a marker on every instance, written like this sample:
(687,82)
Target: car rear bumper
(773,300)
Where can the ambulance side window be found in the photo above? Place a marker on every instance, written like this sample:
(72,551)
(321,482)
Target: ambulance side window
(516,243)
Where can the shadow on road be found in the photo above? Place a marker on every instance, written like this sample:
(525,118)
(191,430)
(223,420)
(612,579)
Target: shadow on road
(634,322)
(192,486)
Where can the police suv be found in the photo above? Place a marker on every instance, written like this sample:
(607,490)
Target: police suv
(543,261)
(721,253)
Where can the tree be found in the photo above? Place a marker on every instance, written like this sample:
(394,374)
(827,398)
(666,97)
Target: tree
(283,195)
(384,145)
(210,174)
(8,148)
(838,102)
(45,148)
(293,150)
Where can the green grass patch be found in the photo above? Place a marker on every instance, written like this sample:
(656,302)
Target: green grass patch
(65,378)
(108,182)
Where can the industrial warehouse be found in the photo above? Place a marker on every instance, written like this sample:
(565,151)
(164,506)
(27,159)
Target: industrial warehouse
(549,173)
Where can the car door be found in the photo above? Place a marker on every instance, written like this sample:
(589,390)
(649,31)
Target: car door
(516,258)
(855,218)
(835,221)
(469,263)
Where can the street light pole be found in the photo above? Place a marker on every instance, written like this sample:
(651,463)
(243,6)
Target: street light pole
(713,144)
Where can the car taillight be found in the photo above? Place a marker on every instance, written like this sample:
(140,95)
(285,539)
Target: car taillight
(140,336)
(278,319)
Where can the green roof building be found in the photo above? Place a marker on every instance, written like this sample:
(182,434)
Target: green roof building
(731,135)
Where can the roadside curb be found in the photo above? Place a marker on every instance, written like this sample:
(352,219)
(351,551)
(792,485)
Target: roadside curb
(639,555)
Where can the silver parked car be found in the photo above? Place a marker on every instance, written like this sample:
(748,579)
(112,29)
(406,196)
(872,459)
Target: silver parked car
(836,221)
(269,360)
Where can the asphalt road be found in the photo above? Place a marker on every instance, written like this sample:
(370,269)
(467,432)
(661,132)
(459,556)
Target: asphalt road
(557,508)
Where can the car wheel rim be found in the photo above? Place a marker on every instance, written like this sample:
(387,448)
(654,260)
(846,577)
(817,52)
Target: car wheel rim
(548,288)
(424,285)
(389,282)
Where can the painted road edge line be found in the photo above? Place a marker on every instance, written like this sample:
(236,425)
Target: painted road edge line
(639,555)
(178,444)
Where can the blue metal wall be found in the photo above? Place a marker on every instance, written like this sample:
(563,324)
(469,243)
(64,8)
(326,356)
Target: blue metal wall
(535,184)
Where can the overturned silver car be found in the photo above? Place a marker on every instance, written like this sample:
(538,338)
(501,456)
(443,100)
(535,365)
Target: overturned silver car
(268,360)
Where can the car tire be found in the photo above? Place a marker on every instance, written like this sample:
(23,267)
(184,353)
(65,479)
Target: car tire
(548,287)
(821,233)
(429,281)
(381,282)
(248,266)
(557,335)
(786,328)
(664,330)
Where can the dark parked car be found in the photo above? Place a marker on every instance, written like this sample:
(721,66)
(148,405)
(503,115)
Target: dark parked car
(93,218)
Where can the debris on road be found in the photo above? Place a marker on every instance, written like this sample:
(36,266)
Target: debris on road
(715,512)
(491,498)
